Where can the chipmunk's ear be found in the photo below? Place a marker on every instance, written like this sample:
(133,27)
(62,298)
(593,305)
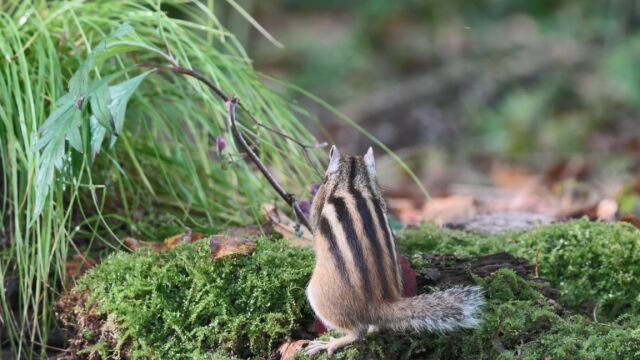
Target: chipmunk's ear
(334,161)
(370,162)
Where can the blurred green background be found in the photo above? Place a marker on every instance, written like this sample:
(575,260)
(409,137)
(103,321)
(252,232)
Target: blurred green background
(525,81)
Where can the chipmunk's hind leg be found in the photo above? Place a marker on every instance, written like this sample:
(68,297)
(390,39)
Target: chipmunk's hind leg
(334,344)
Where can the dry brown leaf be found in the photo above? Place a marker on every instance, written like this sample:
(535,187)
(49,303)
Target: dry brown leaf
(406,211)
(289,349)
(135,244)
(77,266)
(631,219)
(223,245)
(576,169)
(283,225)
(512,177)
(451,209)
(187,236)
(251,230)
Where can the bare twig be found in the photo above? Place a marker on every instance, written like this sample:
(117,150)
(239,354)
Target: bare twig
(537,273)
(289,198)
(233,103)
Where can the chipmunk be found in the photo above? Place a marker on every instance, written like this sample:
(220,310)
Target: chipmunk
(356,286)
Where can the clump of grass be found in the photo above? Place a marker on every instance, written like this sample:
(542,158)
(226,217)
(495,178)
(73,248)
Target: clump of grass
(593,264)
(179,302)
(74,177)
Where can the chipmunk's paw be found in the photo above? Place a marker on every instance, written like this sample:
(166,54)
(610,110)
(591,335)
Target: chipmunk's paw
(318,346)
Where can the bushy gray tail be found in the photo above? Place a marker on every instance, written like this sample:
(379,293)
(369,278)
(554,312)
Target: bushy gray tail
(439,311)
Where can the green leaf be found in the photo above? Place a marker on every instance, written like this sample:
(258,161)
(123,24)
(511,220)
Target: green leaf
(98,132)
(79,82)
(58,128)
(108,106)
(124,29)
(120,94)
(100,100)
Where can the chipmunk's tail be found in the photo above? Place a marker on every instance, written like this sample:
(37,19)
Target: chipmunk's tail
(440,311)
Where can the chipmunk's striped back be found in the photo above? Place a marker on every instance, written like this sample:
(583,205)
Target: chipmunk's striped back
(356,284)
(349,216)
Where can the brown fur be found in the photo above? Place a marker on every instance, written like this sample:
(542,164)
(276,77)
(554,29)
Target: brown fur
(356,283)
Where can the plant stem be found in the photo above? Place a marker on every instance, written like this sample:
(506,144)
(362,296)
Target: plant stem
(239,139)
(233,103)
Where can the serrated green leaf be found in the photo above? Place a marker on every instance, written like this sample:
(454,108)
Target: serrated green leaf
(79,82)
(48,129)
(100,100)
(120,94)
(75,139)
(98,133)
(115,49)
(59,127)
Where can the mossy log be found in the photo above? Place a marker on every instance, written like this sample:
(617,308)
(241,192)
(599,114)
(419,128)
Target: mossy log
(444,271)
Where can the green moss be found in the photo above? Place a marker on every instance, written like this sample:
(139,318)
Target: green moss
(181,301)
(518,323)
(592,263)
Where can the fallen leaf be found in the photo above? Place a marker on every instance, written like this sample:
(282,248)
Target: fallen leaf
(289,349)
(135,244)
(511,177)
(223,245)
(406,211)
(631,219)
(576,169)
(251,230)
(77,266)
(188,236)
(294,233)
(451,209)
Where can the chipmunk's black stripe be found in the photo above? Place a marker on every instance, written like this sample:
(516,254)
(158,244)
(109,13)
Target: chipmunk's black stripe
(327,233)
(352,173)
(375,242)
(382,221)
(370,229)
(344,218)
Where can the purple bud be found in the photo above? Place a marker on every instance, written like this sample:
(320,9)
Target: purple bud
(314,189)
(305,206)
(221,142)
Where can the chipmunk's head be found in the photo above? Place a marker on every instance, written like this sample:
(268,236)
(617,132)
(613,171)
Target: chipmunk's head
(347,174)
